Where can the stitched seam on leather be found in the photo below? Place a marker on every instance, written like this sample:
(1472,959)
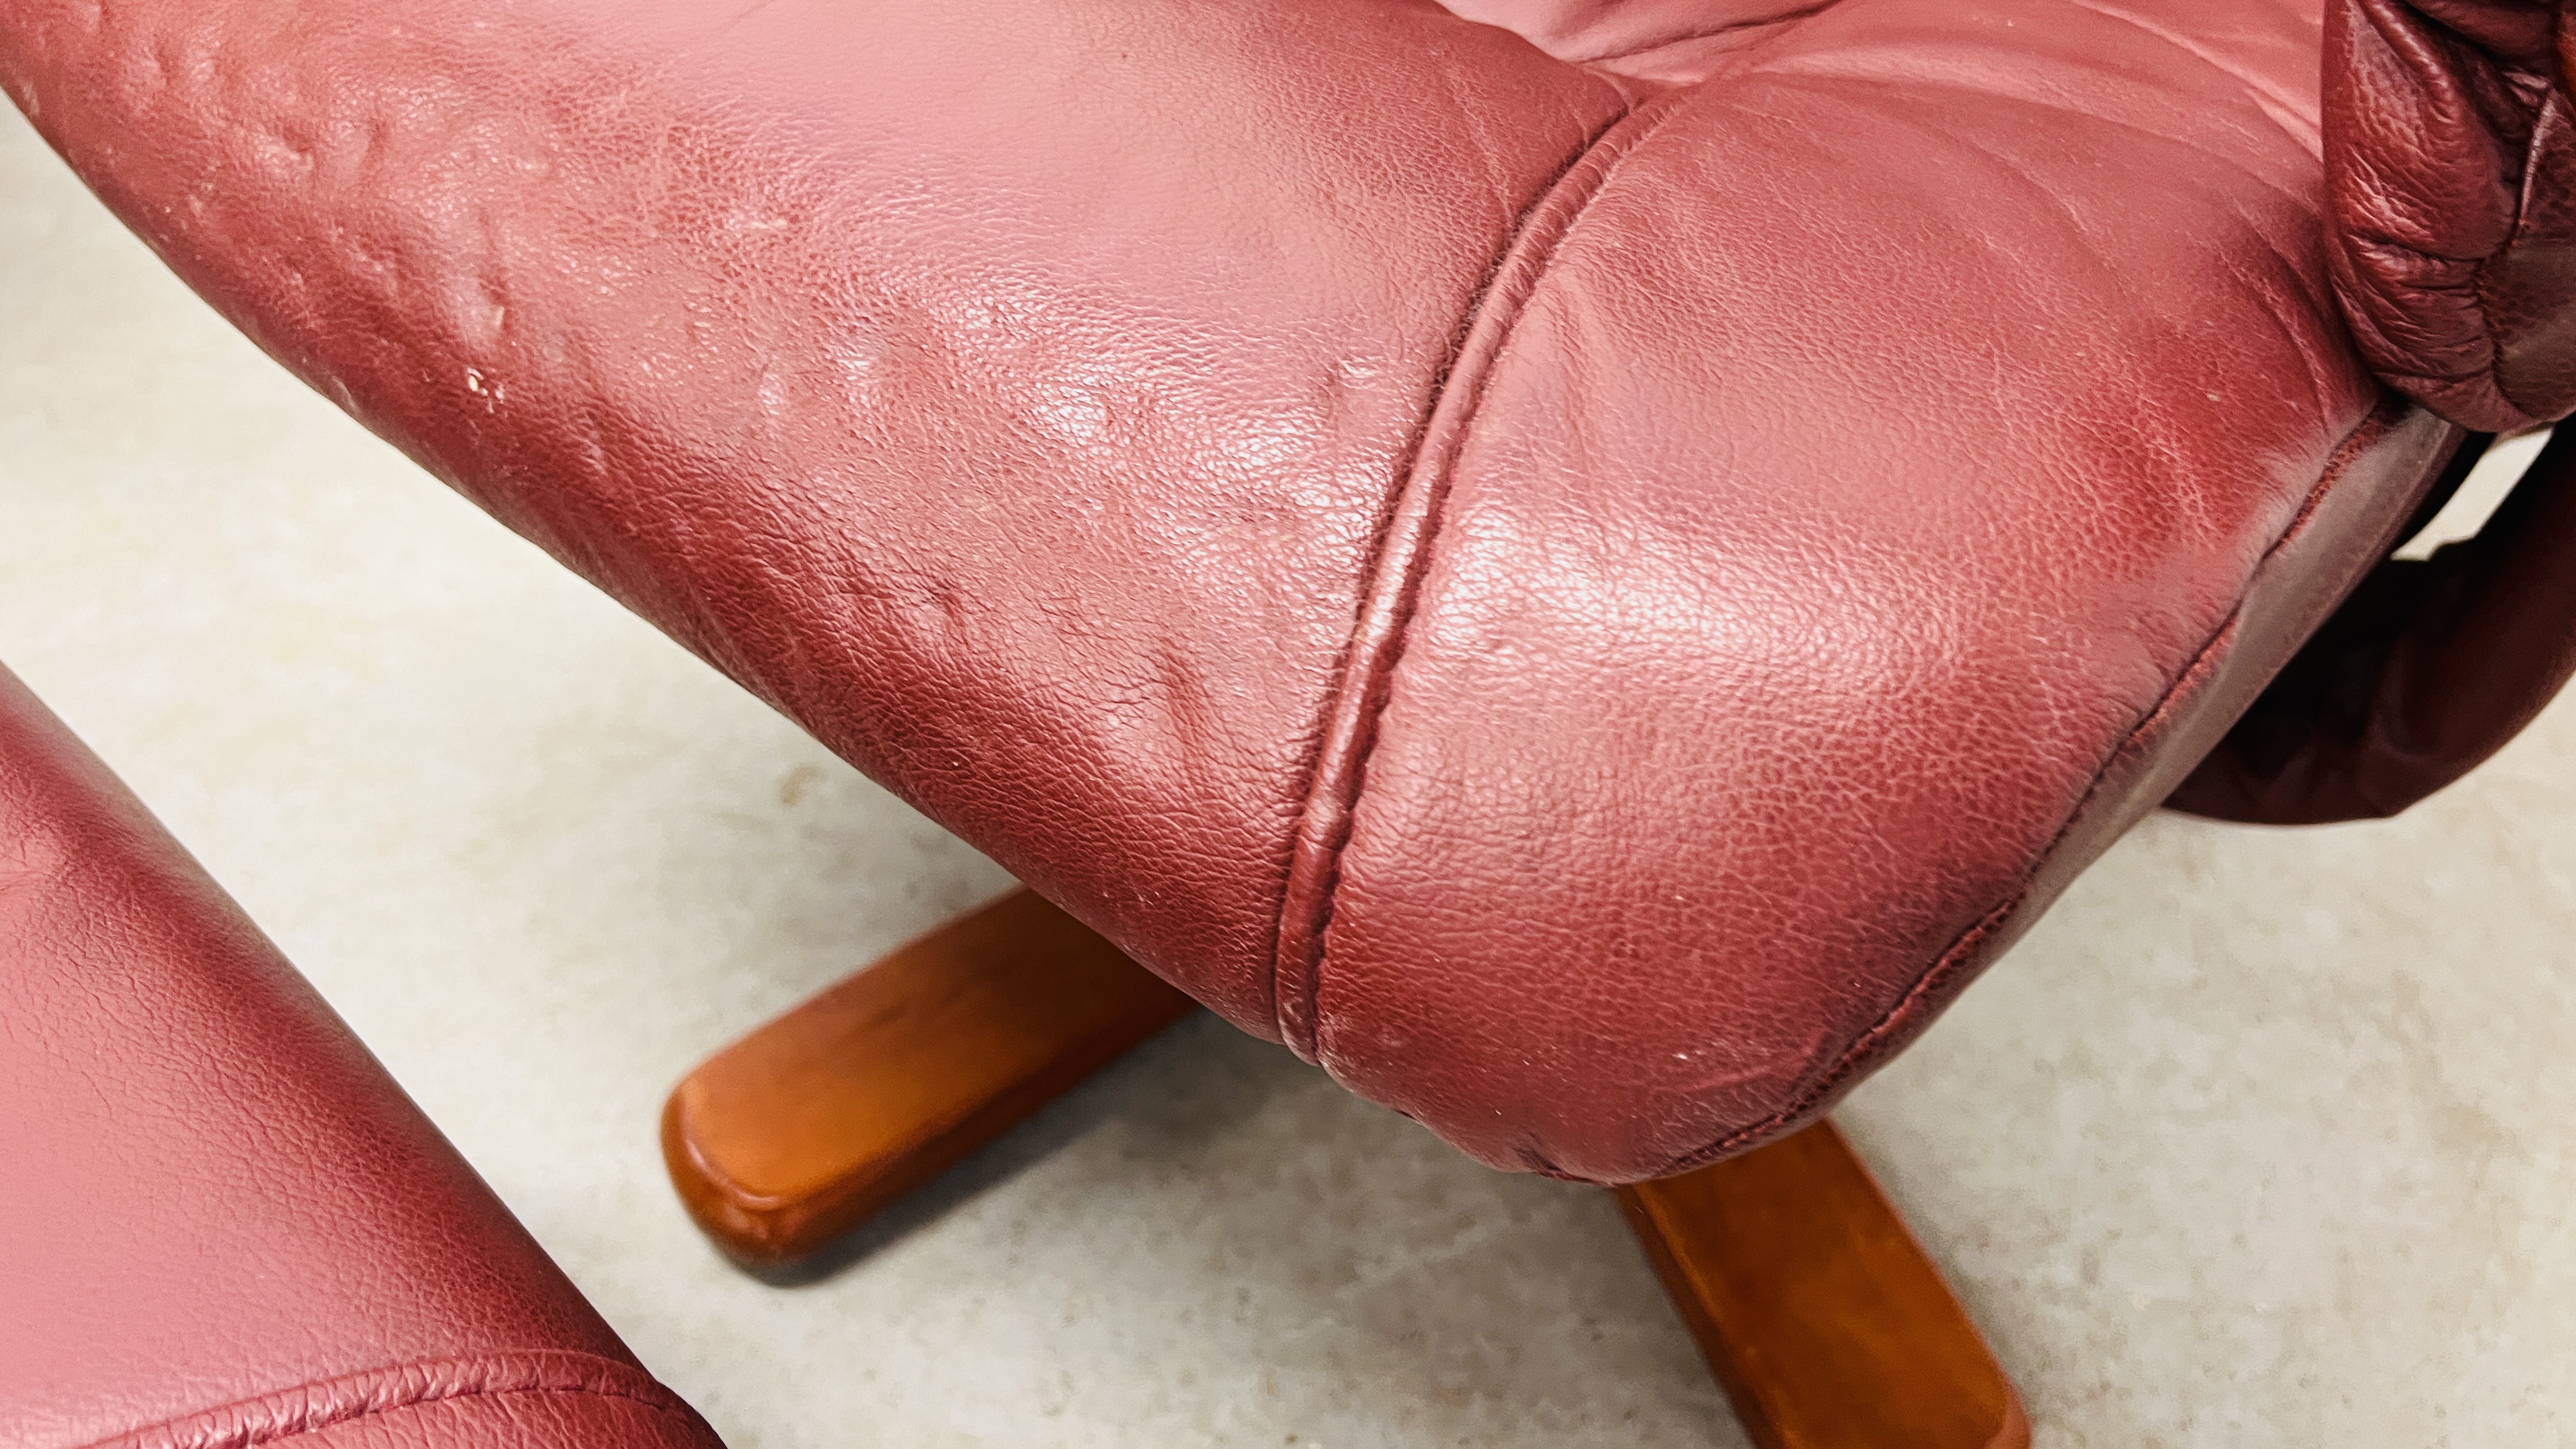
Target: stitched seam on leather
(271,1418)
(421,1403)
(1864,1047)
(1400,556)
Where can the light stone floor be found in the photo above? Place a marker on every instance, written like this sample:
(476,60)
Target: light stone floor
(2262,1138)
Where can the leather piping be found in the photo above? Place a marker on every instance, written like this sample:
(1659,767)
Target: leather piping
(1931,988)
(313,1407)
(1402,553)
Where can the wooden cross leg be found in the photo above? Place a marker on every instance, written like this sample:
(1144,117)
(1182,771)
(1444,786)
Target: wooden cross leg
(1822,1317)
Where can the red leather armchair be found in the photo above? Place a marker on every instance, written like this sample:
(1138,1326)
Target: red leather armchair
(222,1224)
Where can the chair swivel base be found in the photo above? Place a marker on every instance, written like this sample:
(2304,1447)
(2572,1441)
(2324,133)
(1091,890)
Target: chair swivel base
(1823,1319)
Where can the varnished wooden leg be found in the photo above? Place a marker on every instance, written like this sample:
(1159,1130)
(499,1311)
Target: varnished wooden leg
(1825,1322)
(818,1120)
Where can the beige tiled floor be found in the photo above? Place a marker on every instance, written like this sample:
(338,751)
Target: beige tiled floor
(2261,1138)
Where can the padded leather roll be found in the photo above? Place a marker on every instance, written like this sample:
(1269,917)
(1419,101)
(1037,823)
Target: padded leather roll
(1587,566)
(2451,162)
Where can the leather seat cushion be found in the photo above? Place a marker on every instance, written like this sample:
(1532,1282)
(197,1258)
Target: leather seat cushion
(1586,571)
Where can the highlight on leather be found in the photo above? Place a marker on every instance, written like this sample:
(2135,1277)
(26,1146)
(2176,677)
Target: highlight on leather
(2432,666)
(2451,178)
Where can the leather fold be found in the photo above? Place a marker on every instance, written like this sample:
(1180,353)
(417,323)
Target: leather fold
(2451,185)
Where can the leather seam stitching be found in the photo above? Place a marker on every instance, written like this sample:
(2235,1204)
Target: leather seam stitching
(1860,1050)
(1398,562)
(458,1396)
(249,1436)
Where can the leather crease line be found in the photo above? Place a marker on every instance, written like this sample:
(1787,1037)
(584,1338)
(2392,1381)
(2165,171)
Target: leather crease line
(1782,20)
(1400,557)
(1864,1046)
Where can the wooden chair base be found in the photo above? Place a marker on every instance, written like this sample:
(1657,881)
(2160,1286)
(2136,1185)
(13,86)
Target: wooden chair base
(1825,1322)
(829,1114)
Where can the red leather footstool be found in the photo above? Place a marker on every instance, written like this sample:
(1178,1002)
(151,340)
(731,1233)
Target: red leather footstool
(222,1224)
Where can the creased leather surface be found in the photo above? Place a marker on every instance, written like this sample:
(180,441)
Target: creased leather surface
(221,1223)
(2451,147)
(1588,571)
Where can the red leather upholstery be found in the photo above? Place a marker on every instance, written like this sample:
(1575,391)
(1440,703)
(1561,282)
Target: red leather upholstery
(2429,668)
(2451,178)
(2451,147)
(1587,571)
(221,1224)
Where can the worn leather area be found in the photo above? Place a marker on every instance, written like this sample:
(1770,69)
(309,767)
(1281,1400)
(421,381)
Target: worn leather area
(1585,564)
(222,1223)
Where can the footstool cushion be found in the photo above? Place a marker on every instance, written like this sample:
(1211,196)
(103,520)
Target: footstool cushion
(1586,566)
